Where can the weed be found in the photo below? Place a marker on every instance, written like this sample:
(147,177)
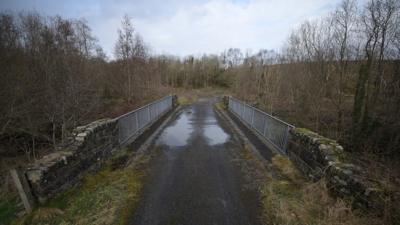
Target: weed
(8,209)
(290,199)
(186,100)
(107,197)
(220,105)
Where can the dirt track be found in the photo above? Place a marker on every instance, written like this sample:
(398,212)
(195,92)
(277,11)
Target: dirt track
(194,178)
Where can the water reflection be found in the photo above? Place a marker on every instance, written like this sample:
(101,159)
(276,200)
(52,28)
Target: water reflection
(178,134)
(215,135)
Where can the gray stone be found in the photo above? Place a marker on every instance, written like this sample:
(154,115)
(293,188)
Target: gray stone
(348,172)
(34,175)
(59,170)
(344,191)
(81,139)
(316,153)
(370,190)
(323,147)
(84,134)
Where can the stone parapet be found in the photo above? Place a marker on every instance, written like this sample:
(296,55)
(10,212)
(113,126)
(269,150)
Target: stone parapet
(86,148)
(319,157)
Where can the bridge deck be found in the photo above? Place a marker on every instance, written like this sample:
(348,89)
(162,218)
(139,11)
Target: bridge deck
(194,178)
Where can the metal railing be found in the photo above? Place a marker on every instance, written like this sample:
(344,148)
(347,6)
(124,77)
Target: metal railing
(271,128)
(133,123)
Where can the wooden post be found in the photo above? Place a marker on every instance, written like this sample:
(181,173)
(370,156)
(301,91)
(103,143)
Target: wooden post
(23,188)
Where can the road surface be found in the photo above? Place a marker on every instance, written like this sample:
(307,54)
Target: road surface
(194,179)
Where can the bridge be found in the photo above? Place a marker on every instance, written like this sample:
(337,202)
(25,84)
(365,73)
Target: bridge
(203,158)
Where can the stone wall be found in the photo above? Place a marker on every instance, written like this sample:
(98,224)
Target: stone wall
(86,148)
(318,157)
(313,153)
(174,100)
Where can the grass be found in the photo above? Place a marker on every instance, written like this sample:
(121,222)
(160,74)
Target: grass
(186,100)
(10,205)
(288,198)
(107,197)
(188,96)
(8,209)
(220,105)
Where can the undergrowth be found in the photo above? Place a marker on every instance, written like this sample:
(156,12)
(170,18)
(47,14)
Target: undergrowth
(220,105)
(8,209)
(186,100)
(289,199)
(106,197)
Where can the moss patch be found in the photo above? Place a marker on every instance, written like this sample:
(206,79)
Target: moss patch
(320,139)
(220,105)
(304,131)
(8,210)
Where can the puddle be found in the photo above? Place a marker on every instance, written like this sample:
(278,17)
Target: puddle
(214,134)
(178,134)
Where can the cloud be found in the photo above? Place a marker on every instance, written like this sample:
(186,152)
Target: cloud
(189,27)
(216,25)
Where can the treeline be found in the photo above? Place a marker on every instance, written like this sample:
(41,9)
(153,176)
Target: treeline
(54,76)
(204,71)
(338,75)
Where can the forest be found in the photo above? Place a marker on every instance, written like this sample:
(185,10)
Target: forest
(338,75)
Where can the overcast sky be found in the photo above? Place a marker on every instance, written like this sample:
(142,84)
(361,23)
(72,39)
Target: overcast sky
(183,27)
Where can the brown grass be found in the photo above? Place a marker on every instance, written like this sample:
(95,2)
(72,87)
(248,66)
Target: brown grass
(289,199)
(107,197)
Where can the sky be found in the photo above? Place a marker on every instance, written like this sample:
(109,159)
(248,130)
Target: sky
(187,27)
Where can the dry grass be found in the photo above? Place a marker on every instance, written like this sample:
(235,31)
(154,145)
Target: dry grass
(107,197)
(186,100)
(288,198)
(220,105)
(384,171)
(188,96)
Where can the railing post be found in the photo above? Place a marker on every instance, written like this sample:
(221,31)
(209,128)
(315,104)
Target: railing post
(148,113)
(286,140)
(143,117)
(243,112)
(265,126)
(252,119)
(137,122)
(275,130)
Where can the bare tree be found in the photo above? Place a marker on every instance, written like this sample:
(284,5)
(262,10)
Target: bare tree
(378,19)
(343,22)
(130,50)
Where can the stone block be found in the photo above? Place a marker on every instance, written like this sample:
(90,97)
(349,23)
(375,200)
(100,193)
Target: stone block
(57,171)
(315,154)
